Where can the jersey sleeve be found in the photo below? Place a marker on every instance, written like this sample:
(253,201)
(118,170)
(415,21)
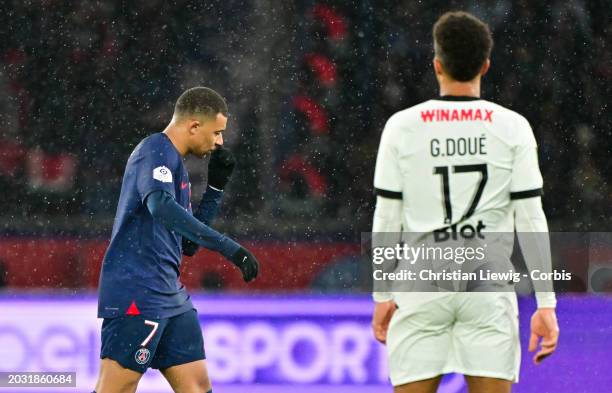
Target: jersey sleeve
(206,212)
(526,177)
(163,208)
(388,181)
(153,168)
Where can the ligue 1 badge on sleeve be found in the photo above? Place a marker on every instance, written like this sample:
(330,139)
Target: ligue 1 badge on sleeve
(142,356)
(162,174)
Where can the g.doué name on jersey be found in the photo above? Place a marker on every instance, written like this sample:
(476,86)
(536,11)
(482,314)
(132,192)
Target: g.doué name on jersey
(462,146)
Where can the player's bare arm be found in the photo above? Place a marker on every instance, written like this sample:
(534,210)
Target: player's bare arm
(532,231)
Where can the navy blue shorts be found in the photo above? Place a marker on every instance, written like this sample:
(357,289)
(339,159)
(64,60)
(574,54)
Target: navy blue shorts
(138,343)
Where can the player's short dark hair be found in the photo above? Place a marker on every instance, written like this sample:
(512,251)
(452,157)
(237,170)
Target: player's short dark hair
(200,101)
(462,43)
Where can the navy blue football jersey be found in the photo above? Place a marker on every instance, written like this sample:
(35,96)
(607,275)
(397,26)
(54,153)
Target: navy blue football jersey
(140,270)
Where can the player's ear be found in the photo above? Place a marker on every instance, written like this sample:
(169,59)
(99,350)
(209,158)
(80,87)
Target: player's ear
(485,67)
(438,66)
(193,126)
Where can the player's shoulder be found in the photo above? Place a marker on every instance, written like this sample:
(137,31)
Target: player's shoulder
(158,140)
(157,143)
(407,117)
(510,126)
(403,122)
(506,114)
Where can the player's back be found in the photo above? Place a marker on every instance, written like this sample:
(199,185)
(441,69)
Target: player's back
(457,161)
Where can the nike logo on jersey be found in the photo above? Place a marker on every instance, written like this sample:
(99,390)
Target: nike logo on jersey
(244,259)
(457,115)
(184,185)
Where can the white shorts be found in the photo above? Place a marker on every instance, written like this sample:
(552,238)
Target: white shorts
(468,333)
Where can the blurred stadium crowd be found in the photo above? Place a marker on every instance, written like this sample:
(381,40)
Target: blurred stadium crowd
(309,84)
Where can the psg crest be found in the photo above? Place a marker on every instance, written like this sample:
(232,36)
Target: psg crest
(142,356)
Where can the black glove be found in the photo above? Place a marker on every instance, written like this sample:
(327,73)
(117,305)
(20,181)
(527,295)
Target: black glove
(189,247)
(246,262)
(220,167)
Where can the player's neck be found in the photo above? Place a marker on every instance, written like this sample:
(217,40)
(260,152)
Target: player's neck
(456,88)
(175,137)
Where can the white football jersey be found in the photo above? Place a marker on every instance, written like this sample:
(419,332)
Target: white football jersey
(456,163)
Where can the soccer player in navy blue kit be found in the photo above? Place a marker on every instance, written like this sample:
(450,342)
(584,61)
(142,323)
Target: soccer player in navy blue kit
(149,320)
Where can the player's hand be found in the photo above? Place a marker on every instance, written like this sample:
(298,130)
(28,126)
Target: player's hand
(189,247)
(381,318)
(544,327)
(246,262)
(220,167)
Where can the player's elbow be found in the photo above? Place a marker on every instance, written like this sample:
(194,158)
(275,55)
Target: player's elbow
(155,204)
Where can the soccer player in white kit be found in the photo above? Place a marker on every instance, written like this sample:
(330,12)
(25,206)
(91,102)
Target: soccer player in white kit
(451,163)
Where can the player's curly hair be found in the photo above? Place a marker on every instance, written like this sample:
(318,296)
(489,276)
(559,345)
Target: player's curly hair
(200,101)
(463,43)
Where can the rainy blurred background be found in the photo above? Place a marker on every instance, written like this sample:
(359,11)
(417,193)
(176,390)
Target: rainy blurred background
(309,85)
